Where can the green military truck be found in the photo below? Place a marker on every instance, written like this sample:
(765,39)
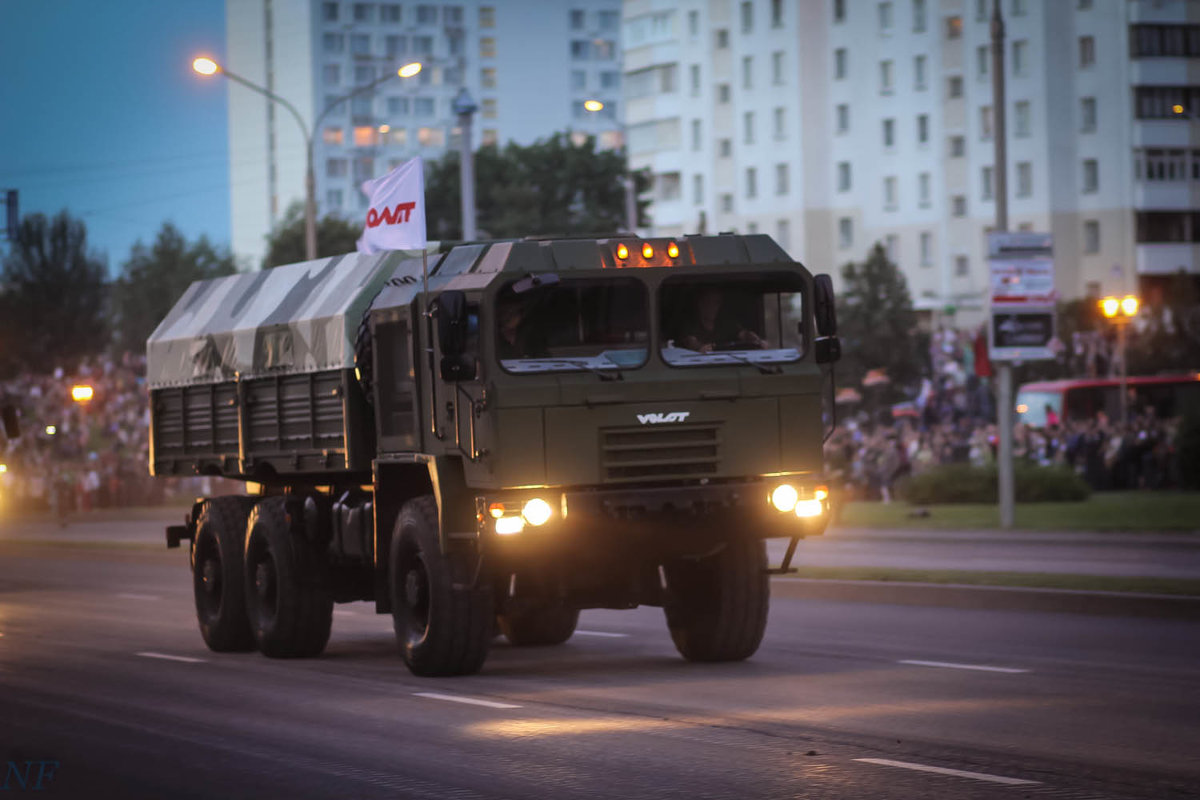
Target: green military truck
(486,438)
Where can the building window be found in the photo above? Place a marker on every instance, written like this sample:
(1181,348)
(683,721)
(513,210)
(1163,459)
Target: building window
(1164,41)
(891,246)
(423,46)
(431,137)
(693,23)
(366,136)
(1166,102)
(783,234)
(776,13)
(487,47)
(982,59)
(577,19)
(329,12)
(1087,114)
(725,148)
(777,67)
(1091,176)
(918,16)
(1018,8)
(981,10)
(748,127)
(985,182)
(722,39)
(1083,5)
(333,43)
(845,233)
(889,193)
(839,63)
(954,86)
(426,15)
(696,129)
(332,136)
(697,190)
(1087,51)
(781,179)
(487,17)
(985,122)
(926,249)
(727,203)
(694,79)
(843,176)
(919,73)
(923,190)
(604,49)
(397,106)
(958,146)
(1021,118)
(333,198)
(424,106)
(363,75)
(885,17)
(398,136)
(1024,179)
(389,12)
(922,128)
(780,117)
(889,133)
(1091,236)
(609,20)
(578,79)
(962,267)
(335,168)
(581,49)
(1020,49)
(958,205)
(723,93)
(747,72)
(395,46)
(953,27)
(331,74)
(885,77)
(362,12)
(747,16)
(842,114)
(360,44)
(839,10)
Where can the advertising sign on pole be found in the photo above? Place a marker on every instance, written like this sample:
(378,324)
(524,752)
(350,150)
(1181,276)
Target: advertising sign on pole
(1023,296)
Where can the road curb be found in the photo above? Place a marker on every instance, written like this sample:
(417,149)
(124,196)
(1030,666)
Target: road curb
(995,598)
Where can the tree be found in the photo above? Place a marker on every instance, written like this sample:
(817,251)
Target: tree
(553,186)
(154,277)
(877,323)
(285,242)
(52,296)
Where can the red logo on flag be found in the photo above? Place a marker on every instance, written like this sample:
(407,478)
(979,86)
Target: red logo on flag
(390,216)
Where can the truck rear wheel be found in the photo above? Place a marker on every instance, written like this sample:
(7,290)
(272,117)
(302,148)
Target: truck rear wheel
(540,625)
(442,629)
(289,605)
(217,575)
(716,607)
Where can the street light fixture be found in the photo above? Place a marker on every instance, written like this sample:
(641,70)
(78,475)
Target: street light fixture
(1120,311)
(206,66)
(593,106)
(82,393)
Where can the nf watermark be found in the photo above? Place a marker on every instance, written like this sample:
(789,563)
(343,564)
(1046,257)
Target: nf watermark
(31,776)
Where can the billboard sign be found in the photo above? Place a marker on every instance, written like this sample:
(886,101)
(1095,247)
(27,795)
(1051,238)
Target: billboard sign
(1022,296)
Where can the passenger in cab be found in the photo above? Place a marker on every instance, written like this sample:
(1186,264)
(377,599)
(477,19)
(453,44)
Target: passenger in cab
(709,329)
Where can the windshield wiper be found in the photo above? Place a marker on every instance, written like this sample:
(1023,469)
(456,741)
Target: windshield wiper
(604,375)
(774,369)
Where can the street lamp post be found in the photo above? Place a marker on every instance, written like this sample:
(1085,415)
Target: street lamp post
(627,180)
(207,66)
(1121,310)
(464,106)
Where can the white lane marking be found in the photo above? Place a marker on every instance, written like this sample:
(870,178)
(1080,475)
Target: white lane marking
(604,634)
(471,701)
(951,665)
(165,657)
(135,596)
(958,773)
(342,612)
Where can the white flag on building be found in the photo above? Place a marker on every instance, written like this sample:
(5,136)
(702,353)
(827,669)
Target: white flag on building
(396,215)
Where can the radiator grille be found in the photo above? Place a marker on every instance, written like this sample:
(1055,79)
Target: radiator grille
(670,452)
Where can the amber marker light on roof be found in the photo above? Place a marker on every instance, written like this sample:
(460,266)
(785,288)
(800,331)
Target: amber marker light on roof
(672,250)
(647,250)
(622,252)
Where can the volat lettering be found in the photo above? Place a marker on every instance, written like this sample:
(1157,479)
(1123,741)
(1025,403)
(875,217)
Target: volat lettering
(390,216)
(655,419)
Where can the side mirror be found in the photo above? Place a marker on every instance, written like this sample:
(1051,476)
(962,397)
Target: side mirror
(452,324)
(531,282)
(828,349)
(824,309)
(12,425)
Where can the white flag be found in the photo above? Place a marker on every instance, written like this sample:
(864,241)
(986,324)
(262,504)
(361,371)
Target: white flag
(396,216)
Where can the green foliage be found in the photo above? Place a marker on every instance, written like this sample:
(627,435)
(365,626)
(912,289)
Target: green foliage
(1187,444)
(154,277)
(52,296)
(962,483)
(285,242)
(552,186)
(877,323)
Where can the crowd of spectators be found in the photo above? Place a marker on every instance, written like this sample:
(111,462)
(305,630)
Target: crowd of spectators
(80,455)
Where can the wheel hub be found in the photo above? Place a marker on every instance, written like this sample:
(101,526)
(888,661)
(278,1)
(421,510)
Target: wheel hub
(210,573)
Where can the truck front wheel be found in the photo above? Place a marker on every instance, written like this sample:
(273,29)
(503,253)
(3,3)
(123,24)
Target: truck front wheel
(443,624)
(288,602)
(217,578)
(716,606)
(541,625)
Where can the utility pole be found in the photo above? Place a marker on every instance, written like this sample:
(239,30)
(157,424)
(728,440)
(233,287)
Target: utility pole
(465,107)
(1004,388)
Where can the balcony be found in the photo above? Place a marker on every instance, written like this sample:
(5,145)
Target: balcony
(1166,259)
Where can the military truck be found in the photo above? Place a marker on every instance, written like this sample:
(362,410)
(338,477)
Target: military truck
(485,438)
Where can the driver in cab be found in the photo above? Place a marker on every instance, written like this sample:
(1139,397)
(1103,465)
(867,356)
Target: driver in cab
(710,330)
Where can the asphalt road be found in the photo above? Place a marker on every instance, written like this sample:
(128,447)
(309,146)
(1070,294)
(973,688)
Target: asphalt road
(105,683)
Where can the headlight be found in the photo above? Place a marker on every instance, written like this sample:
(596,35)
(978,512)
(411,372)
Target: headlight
(506,526)
(537,511)
(809,508)
(784,497)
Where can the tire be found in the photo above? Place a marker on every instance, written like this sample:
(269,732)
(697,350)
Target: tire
(287,599)
(218,582)
(716,607)
(441,630)
(544,625)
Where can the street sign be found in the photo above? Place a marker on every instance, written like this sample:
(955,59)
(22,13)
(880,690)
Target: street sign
(1023,296)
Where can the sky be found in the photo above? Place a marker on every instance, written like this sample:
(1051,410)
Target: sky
(101,115)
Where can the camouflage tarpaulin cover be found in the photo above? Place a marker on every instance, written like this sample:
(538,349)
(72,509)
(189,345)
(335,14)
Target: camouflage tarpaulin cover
(296,318)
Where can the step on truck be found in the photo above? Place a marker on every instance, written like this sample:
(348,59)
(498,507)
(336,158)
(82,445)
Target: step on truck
(485,438)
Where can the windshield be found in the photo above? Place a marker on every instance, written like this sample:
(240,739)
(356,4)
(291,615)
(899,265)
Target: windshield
(732,319)
(1032,407)
(575,325)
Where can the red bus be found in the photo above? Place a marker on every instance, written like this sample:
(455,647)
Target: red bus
(1083,398)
